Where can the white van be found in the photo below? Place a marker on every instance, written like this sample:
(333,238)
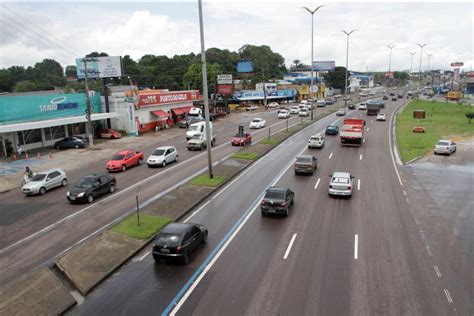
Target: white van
(196,128)
(196,112)
(196,136)
(316,141)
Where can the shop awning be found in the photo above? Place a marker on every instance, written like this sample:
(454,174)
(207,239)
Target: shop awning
(160,113)
(181,111)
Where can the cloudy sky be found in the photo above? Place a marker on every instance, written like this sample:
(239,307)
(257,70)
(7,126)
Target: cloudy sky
(31,31)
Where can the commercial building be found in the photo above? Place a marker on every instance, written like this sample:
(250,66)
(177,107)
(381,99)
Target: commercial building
(359,81)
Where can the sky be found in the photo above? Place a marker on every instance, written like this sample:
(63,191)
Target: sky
(31,31)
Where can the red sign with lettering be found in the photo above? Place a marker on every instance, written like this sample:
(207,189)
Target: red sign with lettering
(167,97)
(225,89)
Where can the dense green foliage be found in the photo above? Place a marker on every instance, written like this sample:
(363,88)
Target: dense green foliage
(336,78)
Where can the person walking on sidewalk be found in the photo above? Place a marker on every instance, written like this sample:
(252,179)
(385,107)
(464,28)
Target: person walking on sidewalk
(19,149)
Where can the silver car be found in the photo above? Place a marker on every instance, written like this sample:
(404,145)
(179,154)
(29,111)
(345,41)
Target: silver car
(341,184)
(44,181)
(162,156)
(445,147)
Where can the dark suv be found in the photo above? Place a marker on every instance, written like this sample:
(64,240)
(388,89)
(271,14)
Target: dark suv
(277,201)
(332,130)
(90,187)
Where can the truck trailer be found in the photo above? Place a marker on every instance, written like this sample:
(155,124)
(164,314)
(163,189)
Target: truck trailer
(352,132)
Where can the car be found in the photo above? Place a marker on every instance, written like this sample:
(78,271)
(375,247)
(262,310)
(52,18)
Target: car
(241,139)
(381,117)
(385,97)
(400,95)
(383,91)
(316,141)
(351,106)
(251,108)
(70,142)
(188,120)
(110,133)
(445,146)
(283,114)
(281,108)
(294,109)
(277,201)
(273,104)
(392,94)
(162,156)
(372,93)
(321,103)
(341,112)
(332,130)
(303,112)
(394,98)
(362,94)
(330,101)
(257,123)
(305,164)
(44,181)
(91,187)
(304,101)
(340,184)
(124,159)
(362,106)
(346,98)
(178,240)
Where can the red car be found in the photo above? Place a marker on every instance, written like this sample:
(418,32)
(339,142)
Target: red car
(124,159)
(110,133)
(241,139)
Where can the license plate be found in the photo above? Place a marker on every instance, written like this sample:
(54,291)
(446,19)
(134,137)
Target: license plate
(164,250)
(72,198)
(271,211)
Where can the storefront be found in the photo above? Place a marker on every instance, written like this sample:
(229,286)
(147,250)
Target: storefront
(36,121)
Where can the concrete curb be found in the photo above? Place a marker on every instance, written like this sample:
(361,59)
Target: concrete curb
(413,160)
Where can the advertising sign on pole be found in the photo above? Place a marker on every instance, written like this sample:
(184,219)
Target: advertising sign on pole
(389,74)
(324,65)
(419,114)
(224,79)
(245,66)
(225,89)
(457,64)
(100,67)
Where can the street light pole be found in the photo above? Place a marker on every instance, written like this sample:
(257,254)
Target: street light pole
(312,68)
(411,63)
(421,57)
(205,92)
(347,65)
(390,65)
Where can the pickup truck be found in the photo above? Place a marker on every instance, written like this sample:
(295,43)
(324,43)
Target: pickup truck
(124,159)
(241,139)
(352,132)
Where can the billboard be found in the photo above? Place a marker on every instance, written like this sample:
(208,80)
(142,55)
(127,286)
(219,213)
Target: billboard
(224,79)
(324,65)
(100,67)
(457,64)
(389,74)
(245,66)
(150,99)
(225,89)
(419,114)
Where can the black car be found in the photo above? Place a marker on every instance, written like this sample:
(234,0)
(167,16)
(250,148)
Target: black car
(90,187)
(394,98)
(385,97)
(277,201)
(392,94)
(351,106)
(400,95)
(332,130)
(178,240)
(70,142)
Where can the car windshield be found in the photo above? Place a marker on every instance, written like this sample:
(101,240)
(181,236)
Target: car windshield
(256,121)
(39,177)
(197,136)
(331,127)
(304,159)
(168,239)
(118,157)
(85,183)
(194,128)
(239,135)
(340,180)
(443,144)
(158,152)
(275,195)
(315,139)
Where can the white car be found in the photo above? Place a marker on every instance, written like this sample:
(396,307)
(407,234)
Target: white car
(316,141)
(251,108)
(383,91)
(162,156)
(303,112)
(273,104)
(372,93)
(43,181)
(341,112)
(363,94)
(321,103)
(283,114)
(340,184)
(362,106)
(445,146)
(295,109)
(257,123)
(381,117)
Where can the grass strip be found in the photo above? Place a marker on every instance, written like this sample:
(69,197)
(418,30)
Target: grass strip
(149,225)
(443,120)
(206,181)
(245,155)
(271,141)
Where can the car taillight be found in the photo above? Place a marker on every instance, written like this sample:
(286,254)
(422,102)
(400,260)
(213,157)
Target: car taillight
(283,204)
(179,248)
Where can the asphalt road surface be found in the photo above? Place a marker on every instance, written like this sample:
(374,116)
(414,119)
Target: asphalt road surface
(331,256)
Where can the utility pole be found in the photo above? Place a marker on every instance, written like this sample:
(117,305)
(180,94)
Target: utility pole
(421,57)
(390,65)
(411,62)
(88,107)
(205,92)
(347,65)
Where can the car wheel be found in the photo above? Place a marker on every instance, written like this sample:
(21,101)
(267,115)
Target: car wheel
(163,164)
(64,182)
(264,214)
(454,150)
(204,238)
(57,147)
(76,146)
(90,198)
(202,147)
(176,158)
(140,161)
(112,137)
(213,142)
(42,190)
(112,188)
(286,212)
(185,258)
(124,167)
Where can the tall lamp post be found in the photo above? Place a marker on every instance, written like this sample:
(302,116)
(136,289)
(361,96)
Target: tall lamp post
(312,12)
(347,65)
(390,65)
(421,57)
(411,62)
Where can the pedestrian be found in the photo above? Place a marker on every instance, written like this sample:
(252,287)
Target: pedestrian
(19,149)
(28,172)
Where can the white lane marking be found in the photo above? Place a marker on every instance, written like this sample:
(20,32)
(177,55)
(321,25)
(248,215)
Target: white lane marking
(360,115)
(408,201)
(404,192)
(448,296)
(363,141)
(358,184)
(143,257)
(330,156)
(416,221)
(356,246)
(287,252)
(371,121)
(368,129)
(360,158)
(429,251)
(438,273)
(317,183)
(390,146)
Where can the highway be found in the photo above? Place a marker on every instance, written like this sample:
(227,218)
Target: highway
(331,256)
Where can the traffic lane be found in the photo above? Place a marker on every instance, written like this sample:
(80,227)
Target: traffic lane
(216,215)
(55,206)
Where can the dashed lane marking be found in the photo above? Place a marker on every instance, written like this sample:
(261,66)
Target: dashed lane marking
(146,254)
(360,158)
(317,183)
(330,156)
(368,129)
(438,273)
(287,252)
(448,296)
(356,246)
(429,251)
(358,184)
(363,141)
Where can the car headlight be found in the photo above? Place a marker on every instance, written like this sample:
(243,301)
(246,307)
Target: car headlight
(67,193)
(81,194)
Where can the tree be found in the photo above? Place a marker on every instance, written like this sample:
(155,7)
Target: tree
(71,71)
(24,86)
(267,64)
(193,76)
(336,79)
(470,116)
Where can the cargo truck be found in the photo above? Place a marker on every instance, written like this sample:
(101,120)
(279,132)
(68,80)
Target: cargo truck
(454,95)
(352,132)
(374,106)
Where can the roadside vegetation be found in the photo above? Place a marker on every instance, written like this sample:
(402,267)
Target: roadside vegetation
(269,141)
(206,181)
(443,121)
(245,155)
(149,226)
